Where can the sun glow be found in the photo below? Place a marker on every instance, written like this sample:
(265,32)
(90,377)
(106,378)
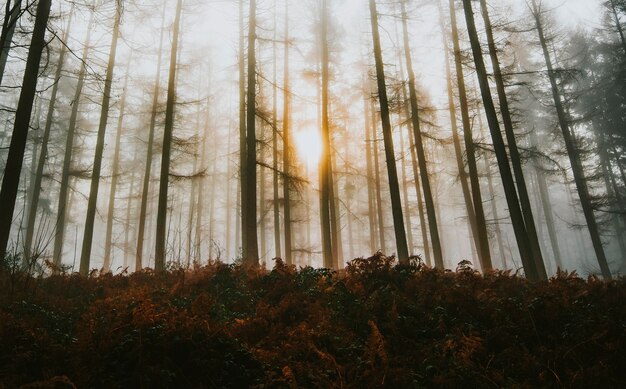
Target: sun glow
(309,146)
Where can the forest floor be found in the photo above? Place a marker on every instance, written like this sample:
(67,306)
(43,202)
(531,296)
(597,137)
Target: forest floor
(373,325)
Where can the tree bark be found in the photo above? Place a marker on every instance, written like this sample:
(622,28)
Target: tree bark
(13,168)
(396,204)
(508,183)
(145,191)
(161,239)
(248,198)
(287,146)
(325,161)
(85,255)
(516,159)
(481,226)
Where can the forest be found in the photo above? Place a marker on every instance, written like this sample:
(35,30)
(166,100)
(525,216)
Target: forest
(315,193)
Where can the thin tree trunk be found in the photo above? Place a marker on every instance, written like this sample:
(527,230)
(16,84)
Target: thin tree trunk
(481,226)
(13,168)
(276,202)
(577,168)
(467,197)
(242,221)
(115,176)
(335,214)
(145,193)
(129,207)
(371,190)
(516,159)
(11,16)
(508,183)
(249,197)
(43,154)
(62,207)
(287,146)
(325,161)
(201,186)
(396,204)
(419,146)
(161,240)
(85,255)
(377,184)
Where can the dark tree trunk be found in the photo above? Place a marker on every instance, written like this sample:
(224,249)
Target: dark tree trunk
(43,154)
(419,147)
(287,146)
(11,16)
(325,161)
(396,203)
(516,160)
(161,238)
(85,255)
(508,183)
(248,198)
(470,149)
(13,168)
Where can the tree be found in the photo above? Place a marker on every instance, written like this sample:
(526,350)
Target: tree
(396,204)
(12,14)
(149,153)
(43,154)
(13,168)
(572,152)
(161,240)
(85,255)
(62,208)
(248,194)
(419,147)
(515,158)
(325,160)
(481,225)
(287,161)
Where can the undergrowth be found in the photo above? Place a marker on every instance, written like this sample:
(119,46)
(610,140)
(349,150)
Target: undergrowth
(376,324)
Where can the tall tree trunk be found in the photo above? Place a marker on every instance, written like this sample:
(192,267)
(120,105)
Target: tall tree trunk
(275,154)
(13,168)
(377,183)
(371,190)
(419,146)
(335,214)
(62,208)
(287,145)
(577,168)
(106,266)
(129,207)
(202,186)
(85,255)
(481,225)
(517,219)
(161,239)
(396,204)
(145,191)
(405,196)
(467,196)
(516,159)
(11,16)
(248,198)
(546,203)
(325,161)
(242,221)
(43,154)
